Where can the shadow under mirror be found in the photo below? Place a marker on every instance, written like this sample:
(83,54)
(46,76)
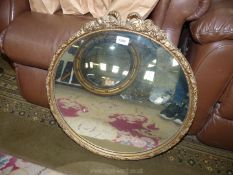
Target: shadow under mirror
(121,91)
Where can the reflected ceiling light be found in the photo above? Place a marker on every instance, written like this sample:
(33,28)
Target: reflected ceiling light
(103,66)
(149,75)
(154,61)
(151,65)
(112,47)
(115,69)
(91,64)
(125,72)
(174,63)
(86,65)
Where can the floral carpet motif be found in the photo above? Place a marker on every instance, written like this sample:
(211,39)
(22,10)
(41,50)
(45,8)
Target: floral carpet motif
(134,131)
(70,108)
(126,129)
(10,165)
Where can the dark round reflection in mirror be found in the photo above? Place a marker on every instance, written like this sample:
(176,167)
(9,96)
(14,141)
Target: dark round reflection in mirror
(107,64)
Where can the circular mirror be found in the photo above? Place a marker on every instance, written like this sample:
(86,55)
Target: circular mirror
(121,89)
(99,60)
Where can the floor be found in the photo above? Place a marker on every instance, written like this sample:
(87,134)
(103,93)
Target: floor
(10,165)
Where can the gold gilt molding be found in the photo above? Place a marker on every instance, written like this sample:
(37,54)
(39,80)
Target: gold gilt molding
(146,28)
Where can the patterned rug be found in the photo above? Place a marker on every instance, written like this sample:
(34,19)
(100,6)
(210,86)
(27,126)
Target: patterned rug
(112,123)
(190,155)
(10,165)
(12,102)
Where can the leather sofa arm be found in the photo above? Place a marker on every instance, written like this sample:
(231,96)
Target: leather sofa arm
(9,9)
(216,131)
(226,102)
(180,11)
(215,25)
(159,12)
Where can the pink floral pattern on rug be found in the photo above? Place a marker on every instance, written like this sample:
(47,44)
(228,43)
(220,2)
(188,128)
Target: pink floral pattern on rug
(10,165)
(127,129)
(70,108)
(134,130)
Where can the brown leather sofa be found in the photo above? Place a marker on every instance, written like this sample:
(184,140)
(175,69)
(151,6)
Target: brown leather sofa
(30,39)
(211,57)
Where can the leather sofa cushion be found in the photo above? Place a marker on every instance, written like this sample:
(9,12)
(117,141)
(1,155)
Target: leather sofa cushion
(32,84)
(9,10)
(33,38)
(217,132)
(216,25)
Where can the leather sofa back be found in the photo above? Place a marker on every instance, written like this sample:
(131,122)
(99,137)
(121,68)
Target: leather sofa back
(9,9)
(211,59)
(180,11)
(211,29)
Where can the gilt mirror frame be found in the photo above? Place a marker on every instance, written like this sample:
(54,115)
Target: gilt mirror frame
(141,27)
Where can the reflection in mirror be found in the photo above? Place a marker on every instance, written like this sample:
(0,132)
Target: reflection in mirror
(147,91)
(121,89)
(100,66)
(106,67)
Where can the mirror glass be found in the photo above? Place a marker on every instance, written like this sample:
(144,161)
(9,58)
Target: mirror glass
(120,94)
